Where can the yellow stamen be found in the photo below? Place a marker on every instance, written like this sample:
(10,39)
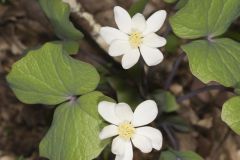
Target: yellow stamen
(135,39)
(126,130)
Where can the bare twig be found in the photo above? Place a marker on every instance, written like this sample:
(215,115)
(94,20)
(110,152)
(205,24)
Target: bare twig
(106,57)
(174,71)
(218,148)
(203,89)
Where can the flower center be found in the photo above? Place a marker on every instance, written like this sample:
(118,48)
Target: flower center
(135,39)
(126,130)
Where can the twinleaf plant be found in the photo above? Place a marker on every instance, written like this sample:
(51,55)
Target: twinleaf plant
(50,75)
(211,58)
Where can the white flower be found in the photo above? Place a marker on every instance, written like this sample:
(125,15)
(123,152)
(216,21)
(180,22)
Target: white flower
(128,127)
(135,35)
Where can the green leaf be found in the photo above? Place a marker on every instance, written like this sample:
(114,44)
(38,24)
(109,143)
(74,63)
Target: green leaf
(4,1)
(167,155)
(165,100)
(170,1)
(187,155)
(69,47)
(215,61)
(59,12)
(176,122)
(184,155)
(231,112)
(125,93)
(74,134)
(49,76)
(138,7)
(21,158)
(206,18)
(237,88)
(173,43)
(181,3)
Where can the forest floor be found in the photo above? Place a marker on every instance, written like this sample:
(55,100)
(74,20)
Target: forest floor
(23,26)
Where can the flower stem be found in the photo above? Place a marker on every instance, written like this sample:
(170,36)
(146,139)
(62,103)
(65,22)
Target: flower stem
(171,137)
(140,72)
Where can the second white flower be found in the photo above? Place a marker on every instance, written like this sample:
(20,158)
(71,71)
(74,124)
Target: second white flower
(129,128)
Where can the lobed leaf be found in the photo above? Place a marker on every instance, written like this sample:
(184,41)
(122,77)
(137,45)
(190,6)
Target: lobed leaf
(74,134)
(230,113)
(49,76)
(215,61)
(165,100)
(206,18)
(58,13)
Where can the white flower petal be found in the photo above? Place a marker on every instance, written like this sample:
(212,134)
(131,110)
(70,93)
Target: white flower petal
(128,153)
(142,143)
(138,22)
(122,19)
(119,146)
(130,59)
(119,157)
(153,40)
(124,112)
(152,56)
(153,134)
(110,34)
(155,21)
(108,131)
(119,47)
(107,111)
(145,113)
